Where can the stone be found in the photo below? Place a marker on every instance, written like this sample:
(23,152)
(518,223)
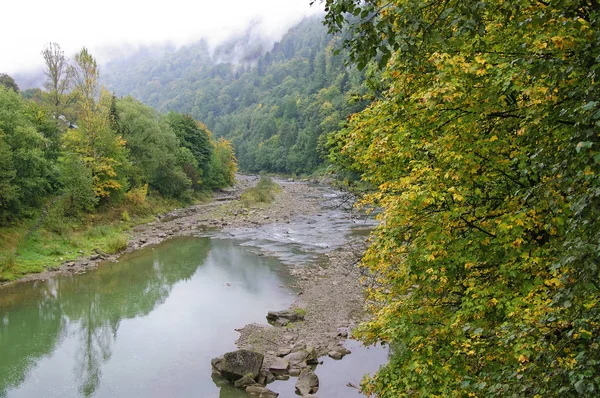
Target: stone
(162,235)
(265,377)
(282,377)
(312,358)
(283,352)
(244,382)
(280,366)
(237,364)
(338,352)
(296,358)
(341,332)
(308,382)
(280,317)
(295,372)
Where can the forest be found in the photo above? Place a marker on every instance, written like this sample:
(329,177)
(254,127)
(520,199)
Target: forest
(75,157)
(276,107)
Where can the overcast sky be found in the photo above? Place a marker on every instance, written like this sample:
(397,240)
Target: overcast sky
(28,24)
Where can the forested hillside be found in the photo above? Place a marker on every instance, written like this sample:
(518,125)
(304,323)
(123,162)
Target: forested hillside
(276,107)
(75,157)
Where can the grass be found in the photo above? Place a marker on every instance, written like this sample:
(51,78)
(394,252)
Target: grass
(300,311)
(59,239)
(264,192)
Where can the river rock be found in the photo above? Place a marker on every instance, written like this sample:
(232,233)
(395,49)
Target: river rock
(283,352)
(237,364)
(265,377)
(342,332)
(244,382)
(338,352)
(295,372)
(312,358)
(280,366)
(296,358)
(282,318)
(308,382)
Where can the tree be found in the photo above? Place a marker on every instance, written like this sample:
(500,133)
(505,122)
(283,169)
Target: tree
(59,74)
(8,82)
(94,141)
(484,150)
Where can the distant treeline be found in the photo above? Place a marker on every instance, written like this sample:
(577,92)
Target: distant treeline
(276,109)
(78,144)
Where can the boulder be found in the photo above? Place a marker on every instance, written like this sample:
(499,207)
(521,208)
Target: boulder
(338,352)
(265,377)
(282,318)
(280,366)
(283,352)
(244,382)
(312,357)
(308,382)
(295,372)
(296,358)
(237,364)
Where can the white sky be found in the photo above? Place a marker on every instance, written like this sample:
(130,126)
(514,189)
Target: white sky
(28,25)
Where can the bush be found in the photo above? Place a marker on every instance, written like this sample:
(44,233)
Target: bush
(7,265)
(263,192)
(116,244)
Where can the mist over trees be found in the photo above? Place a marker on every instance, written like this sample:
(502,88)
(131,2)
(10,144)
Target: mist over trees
(275,107)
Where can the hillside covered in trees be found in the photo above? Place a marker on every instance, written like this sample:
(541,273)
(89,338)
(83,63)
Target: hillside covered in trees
(275,107)
(73,154)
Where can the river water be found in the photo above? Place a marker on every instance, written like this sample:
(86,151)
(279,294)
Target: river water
(148,325)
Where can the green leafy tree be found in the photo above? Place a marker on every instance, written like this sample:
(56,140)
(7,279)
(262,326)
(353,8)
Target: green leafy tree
(8,82)
(27,172)
(79,196)
(484,149)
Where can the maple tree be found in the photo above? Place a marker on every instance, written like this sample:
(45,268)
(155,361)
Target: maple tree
(484,149)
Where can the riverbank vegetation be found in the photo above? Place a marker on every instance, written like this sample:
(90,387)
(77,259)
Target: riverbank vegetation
(80,166)
(484,147)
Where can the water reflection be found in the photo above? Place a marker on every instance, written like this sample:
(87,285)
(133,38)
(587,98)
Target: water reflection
(145,326)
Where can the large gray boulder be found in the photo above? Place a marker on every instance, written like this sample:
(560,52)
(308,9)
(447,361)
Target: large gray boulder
(237,364)
(308,382)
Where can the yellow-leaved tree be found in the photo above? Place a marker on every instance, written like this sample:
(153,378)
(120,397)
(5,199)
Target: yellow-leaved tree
(484,149)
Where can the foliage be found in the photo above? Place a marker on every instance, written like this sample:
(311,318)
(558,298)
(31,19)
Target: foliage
(484,147)
(116,244)
(111,162)
(273,109)
(26,172)
(263,192)
(8,82)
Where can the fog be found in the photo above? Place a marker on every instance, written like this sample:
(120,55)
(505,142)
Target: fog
(112,28)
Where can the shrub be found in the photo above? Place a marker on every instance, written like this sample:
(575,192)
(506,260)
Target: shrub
(116,244)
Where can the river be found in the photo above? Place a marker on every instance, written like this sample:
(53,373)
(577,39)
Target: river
(149,324)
